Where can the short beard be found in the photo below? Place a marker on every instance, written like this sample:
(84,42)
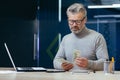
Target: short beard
(78,31)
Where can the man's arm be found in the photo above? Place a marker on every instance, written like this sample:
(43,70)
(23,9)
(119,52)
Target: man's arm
(59,60)
(101,54)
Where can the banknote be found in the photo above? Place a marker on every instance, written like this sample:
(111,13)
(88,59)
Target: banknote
(76,53)
(62,60)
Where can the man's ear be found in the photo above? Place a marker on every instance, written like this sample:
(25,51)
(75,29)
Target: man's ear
(85,20)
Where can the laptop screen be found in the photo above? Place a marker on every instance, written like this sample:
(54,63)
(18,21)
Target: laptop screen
(6,47)
(22,68)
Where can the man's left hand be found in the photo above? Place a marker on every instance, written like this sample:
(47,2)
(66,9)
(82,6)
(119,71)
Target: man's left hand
(81,62)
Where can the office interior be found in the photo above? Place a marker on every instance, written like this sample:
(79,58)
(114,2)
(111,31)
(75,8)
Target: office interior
(33,29)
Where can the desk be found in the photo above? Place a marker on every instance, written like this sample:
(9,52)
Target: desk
(57,76)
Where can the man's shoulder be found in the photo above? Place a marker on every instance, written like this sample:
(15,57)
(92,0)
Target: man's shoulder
(67,36)
(94,32)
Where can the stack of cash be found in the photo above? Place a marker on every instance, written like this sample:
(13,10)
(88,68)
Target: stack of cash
(76,53)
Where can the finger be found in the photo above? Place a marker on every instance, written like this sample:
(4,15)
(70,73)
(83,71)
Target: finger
(65,64)
(68,66)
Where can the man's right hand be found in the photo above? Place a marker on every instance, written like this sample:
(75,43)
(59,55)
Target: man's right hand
(67,66)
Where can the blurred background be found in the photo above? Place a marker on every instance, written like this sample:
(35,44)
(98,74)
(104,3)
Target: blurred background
(33,29)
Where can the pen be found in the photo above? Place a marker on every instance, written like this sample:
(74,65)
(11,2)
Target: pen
(112,59)
(111,65)
(81,71)
(94,71)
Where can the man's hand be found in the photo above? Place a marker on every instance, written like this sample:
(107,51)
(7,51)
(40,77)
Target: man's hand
(67,66)
(81,62)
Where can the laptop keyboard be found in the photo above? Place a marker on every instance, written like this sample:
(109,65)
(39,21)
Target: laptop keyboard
(31,68)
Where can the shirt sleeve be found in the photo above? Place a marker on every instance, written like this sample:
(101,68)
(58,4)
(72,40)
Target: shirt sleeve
(60,56)
(101,54)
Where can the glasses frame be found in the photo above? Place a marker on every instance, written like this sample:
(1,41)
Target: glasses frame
(71,22)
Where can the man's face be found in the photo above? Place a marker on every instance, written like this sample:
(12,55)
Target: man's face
(76,22)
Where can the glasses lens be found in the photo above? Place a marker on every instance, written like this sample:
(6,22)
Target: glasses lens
(75,21)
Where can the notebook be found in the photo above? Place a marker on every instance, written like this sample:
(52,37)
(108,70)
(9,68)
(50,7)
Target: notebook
(23,69)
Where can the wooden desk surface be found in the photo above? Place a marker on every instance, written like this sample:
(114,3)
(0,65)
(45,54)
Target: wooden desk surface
(56,76)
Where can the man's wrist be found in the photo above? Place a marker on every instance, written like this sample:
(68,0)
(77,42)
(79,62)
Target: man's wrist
(90,64)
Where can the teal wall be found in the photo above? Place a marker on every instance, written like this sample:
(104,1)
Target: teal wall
(50,27)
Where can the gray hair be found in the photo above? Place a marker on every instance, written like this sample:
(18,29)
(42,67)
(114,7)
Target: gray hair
(77,8)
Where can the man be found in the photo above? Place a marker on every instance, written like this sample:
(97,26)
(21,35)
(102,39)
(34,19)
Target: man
(83,48)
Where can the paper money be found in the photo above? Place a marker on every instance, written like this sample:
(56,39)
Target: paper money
(76,53)
(62,60)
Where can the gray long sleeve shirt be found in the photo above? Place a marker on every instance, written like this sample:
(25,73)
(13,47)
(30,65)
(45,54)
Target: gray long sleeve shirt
(91,45)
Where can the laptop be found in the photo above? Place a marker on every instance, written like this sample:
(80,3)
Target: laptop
(23,69)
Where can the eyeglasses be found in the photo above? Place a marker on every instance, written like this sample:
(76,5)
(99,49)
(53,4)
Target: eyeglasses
(71,22)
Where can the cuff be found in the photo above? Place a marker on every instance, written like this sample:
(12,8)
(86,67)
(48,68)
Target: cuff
(90,64)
